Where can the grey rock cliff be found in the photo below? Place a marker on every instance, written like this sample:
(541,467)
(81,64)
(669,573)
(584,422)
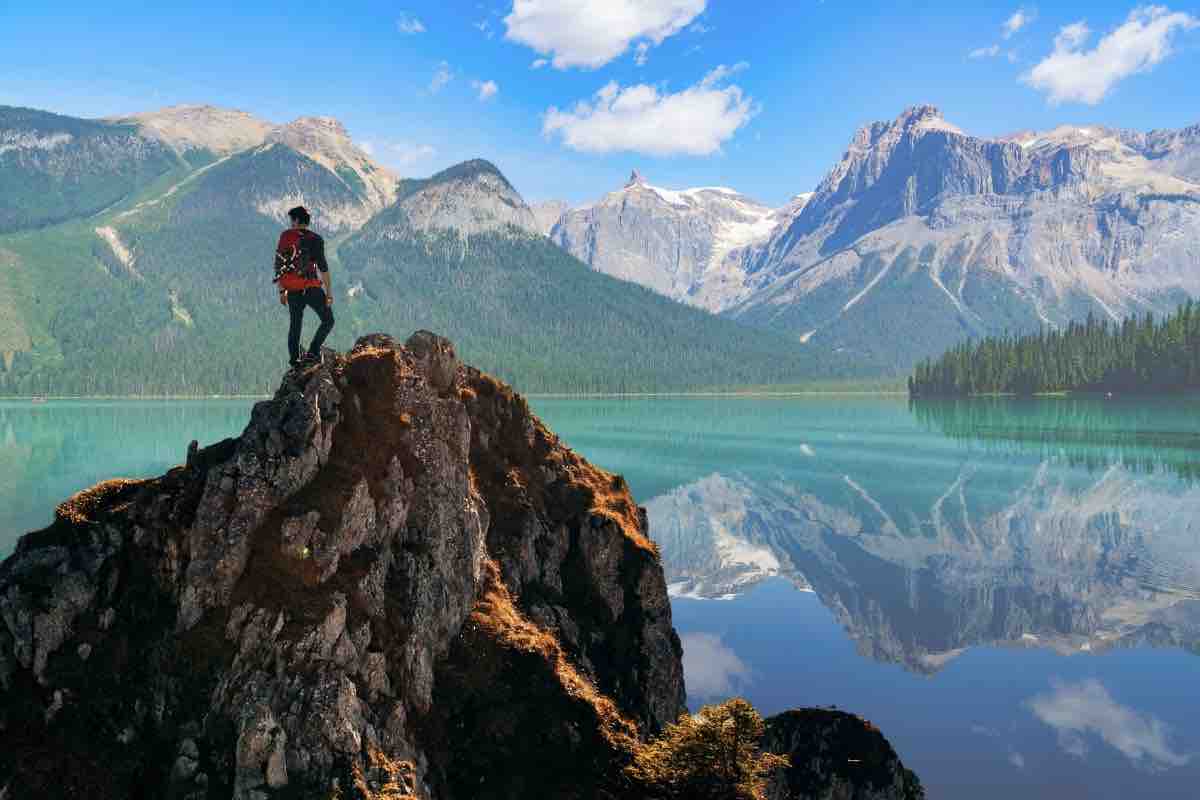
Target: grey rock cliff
(394,567)
(923,235)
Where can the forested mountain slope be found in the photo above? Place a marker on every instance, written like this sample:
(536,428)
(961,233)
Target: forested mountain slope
(164,286)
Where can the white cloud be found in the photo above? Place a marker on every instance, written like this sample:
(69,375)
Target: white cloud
(1016,759)
(485,27)
(710,668)
(406,154)
(1087,707)
(641,119)
(591,33)
(642,49)
(985,52)
(1071,73)
(538,63)
(441,76)
(486,89)
(410,25)
(699,28)
(367,147)
(1020,18)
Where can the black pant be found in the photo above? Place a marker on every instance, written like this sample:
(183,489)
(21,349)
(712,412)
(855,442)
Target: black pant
(314,298)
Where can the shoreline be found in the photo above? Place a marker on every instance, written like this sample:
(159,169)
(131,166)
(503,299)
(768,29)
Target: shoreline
(539,395)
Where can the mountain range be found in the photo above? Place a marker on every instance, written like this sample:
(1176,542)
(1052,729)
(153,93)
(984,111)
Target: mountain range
(133,248)
(923,235)
(136,249)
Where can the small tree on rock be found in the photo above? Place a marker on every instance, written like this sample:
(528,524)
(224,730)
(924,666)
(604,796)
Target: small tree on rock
(713,755)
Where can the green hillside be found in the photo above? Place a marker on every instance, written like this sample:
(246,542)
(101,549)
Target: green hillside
(167,291)
(65,167)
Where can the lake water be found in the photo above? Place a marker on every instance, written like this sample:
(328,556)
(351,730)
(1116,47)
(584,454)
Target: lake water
(1010,590)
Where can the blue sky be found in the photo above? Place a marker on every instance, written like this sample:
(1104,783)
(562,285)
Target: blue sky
(761,96)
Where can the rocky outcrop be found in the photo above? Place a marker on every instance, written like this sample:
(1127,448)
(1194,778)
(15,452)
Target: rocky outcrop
(835,756)
(395,583)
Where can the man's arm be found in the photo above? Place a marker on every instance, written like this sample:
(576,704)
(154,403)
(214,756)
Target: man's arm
(323,266)
(282,291)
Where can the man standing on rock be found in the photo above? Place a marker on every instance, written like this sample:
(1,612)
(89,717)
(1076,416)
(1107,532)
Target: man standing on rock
(298,258)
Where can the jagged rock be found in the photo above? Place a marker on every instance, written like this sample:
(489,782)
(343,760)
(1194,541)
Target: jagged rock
(835,756)
(342,599)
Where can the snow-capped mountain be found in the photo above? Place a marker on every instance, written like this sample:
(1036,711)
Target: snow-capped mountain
(690,245)
(923,235)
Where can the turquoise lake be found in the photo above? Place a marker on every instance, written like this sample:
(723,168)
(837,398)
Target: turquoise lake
(1009,589)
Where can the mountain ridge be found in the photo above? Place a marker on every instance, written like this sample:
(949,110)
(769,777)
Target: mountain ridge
(172,260)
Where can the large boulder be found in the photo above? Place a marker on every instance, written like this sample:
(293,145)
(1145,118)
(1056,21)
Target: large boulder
(395,583)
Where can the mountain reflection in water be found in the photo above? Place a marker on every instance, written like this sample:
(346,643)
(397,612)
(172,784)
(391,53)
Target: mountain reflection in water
(1070,525)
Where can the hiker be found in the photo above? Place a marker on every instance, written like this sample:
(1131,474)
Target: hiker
(299,256)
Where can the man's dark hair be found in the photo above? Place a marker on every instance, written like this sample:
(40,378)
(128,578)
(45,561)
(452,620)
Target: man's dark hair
(299,215)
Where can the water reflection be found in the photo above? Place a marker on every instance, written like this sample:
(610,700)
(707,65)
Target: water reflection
(50,451)
(1032,535)
(1075,710)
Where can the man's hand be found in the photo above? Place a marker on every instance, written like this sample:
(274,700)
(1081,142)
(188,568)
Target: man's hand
(282,297)
(329,298)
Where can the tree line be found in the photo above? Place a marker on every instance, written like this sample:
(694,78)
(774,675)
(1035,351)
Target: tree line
(1139,355)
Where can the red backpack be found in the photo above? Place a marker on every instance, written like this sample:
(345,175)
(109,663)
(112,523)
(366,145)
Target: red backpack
(294,263)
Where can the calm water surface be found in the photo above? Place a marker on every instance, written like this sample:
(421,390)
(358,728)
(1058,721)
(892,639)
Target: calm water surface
(1010,590)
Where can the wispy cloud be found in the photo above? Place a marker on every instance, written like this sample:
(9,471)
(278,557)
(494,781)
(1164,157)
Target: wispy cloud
(591,33)
(538,63)
(485,27)
(641,119)
(711,668)
(985,52)
(1072,73)
(1073,710)
(441,76)
(486,89)
(406,154)
(1019,19)
(408,24)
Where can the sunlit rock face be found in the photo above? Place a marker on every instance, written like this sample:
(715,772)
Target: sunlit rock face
(1076,564)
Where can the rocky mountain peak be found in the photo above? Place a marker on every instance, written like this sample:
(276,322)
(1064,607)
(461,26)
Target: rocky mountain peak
(920,115)
(193,127)
(635,179)
(469,198)
(326,141)
(393,561)
(316,136)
